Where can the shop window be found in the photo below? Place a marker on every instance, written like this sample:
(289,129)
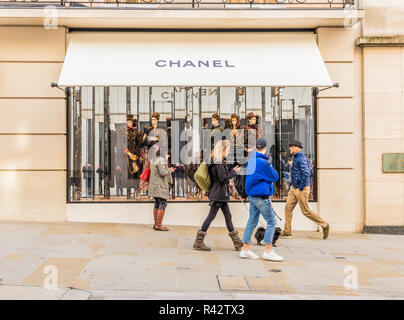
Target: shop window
(100,169)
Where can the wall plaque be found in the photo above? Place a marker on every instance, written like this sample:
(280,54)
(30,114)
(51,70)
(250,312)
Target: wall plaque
(393,162)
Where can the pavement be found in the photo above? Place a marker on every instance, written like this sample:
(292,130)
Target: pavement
(68,261)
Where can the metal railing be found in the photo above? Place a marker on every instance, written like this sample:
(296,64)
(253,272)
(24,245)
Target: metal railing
(187,4)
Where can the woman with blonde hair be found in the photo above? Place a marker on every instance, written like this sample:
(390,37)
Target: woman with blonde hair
(219,195)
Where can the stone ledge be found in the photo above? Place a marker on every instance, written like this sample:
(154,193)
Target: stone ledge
(396,41)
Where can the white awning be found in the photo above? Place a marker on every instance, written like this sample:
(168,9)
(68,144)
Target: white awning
(194,59)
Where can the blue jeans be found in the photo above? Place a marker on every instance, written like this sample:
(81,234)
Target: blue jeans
(260,206)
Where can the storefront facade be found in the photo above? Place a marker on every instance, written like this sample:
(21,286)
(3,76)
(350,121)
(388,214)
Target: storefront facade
(55,141)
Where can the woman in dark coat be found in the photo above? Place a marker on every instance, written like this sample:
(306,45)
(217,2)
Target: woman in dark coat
(219,195)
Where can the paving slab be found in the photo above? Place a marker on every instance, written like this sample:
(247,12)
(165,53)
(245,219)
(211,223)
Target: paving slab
(128,261)
(40,293)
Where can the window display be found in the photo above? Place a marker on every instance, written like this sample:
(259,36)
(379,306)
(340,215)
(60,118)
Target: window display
(113,132)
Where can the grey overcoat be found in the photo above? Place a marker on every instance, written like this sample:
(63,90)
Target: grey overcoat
(160,176)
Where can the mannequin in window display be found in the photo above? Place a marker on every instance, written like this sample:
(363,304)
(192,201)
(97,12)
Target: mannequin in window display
(135,141)
(252,126)
(157,134)
(215,130)
(237,140)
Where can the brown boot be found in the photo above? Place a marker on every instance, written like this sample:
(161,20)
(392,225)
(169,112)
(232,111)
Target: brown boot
(198,244)
(238,244)
(159,221)
(155,217)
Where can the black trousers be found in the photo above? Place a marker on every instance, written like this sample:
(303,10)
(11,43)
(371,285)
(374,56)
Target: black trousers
(212,215)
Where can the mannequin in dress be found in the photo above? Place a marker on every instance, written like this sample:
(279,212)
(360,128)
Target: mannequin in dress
(135,141)
(215,130)
(253,126)
(157,134)
(236,140)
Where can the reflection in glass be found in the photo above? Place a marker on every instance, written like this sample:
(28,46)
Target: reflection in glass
(100,136)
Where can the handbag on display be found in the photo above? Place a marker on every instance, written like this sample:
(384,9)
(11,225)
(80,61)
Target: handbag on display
(145,176)
(135,167)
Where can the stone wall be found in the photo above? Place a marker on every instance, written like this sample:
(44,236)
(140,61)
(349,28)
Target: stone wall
(32,125)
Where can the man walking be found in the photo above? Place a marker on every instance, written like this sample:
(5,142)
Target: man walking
(299,191)
(259,187)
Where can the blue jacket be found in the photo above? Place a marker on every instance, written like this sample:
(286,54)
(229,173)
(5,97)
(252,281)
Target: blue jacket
(260,176)
(300,171)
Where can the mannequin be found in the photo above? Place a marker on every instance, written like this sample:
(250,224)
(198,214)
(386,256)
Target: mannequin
(135,141)
(157,134)
(236,139)
(216,123)
(215,130)
(252,125)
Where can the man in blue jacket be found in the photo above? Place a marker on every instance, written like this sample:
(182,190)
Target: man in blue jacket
(299,191)
(259,187)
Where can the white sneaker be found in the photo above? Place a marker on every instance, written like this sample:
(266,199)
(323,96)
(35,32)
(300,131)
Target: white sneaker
(272,256)
(248,254)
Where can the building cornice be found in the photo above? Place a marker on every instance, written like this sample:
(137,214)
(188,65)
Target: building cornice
(185,18)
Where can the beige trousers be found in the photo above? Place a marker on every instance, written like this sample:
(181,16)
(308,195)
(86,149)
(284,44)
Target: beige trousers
(302,197)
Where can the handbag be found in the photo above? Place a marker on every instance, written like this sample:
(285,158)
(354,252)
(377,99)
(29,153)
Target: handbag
(135,167)
(202,177)
(145,176)
(239,184)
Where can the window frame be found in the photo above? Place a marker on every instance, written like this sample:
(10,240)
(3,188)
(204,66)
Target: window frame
(69,96)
